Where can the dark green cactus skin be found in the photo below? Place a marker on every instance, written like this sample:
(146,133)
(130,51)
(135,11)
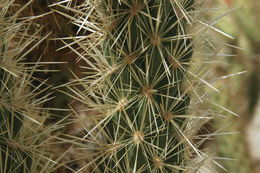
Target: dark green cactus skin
(13,159)
(150,68)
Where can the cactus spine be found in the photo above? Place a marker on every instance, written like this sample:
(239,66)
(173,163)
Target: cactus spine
(22,133)
(11,122)
(12,158)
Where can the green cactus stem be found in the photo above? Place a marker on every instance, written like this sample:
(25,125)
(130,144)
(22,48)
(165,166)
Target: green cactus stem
(148,49)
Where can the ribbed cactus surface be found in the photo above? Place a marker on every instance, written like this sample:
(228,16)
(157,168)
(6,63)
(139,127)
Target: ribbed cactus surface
(146,52)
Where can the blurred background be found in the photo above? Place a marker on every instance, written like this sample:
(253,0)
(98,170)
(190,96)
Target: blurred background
(240,151)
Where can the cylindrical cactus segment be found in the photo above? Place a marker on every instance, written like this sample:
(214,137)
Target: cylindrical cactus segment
(148,48)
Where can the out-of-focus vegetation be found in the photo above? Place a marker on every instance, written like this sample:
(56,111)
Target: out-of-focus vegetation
(241,96)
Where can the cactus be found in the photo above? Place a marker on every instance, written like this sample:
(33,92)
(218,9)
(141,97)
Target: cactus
(11,120)
(13,158)
(138,91)
(10,125)
(138,87)
(151,53)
